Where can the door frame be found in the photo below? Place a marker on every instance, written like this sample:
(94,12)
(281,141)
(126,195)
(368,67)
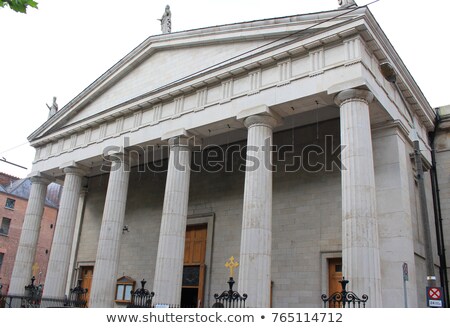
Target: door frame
(208,219)
(331,262)
(78,275)
(325,269)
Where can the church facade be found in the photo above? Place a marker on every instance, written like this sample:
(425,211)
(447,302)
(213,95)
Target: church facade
(284,143)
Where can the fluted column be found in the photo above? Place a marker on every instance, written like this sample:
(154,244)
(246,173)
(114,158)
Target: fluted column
(170,258)
(107,259)
(29,236)
(360,250)
(58,265)
(71,273)
(256,236)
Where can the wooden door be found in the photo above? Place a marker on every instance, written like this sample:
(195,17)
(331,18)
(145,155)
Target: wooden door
(194,266)
(86,279)
(195,244)
(334,275)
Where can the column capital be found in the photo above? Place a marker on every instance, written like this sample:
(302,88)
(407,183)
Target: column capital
(260,119)
(353,94)
(40,178)
(182,141)
(128,157)
(74,168)
(260,115)
(181,138)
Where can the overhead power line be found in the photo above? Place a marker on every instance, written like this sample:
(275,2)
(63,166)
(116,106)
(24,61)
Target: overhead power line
(11,163)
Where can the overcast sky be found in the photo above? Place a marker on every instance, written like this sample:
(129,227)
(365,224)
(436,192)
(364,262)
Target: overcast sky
(62,47)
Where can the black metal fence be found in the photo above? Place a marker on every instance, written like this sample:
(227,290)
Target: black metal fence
(78,296)
(32,298)
(2,297)
(344,299)
(230,298)
(141,298)
(24,301)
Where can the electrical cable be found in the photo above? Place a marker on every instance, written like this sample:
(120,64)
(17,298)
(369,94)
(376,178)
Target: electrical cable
(15,147)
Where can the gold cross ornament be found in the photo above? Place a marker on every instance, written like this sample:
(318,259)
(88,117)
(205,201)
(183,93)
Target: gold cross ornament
(35,269)
(231,265)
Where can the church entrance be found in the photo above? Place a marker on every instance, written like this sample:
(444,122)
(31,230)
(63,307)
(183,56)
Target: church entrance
(86,273)
(194,266)
(334,275)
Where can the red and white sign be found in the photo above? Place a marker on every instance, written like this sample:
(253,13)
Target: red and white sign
(434,293)
(434,297)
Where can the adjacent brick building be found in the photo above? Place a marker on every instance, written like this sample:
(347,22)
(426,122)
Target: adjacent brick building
(14,193)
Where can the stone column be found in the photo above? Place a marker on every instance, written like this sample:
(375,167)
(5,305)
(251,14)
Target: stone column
(26,251)
(72,273)
(58,265)
(395,223)
(360,249)
(105,270)
(256,236)
(170,258)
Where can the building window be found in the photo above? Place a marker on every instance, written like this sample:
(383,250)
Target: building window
(124,287)
(1,260)
(10,203)
(4,228)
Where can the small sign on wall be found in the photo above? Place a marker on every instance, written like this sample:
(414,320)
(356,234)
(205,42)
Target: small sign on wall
(434,297)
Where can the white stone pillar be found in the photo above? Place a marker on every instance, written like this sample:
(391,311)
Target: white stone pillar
(256,236)
(29,236)
(58,265)
(360,249)
(170,258)
(72,273)
(106,262)
(395,222)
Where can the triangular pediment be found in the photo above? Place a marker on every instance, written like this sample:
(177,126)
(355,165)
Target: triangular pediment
(164,59)
(160,69)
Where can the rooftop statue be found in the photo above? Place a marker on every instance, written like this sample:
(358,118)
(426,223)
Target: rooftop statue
(53,108)
(346,3)
(166,21)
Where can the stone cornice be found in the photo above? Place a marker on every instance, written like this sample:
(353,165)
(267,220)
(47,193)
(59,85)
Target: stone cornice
(386,51)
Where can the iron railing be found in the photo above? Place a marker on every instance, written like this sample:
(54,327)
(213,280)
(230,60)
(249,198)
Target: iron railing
(33,298)
(2,297)
(344,299)
(141,297)
(78,296)
(230,298)
(25,301)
